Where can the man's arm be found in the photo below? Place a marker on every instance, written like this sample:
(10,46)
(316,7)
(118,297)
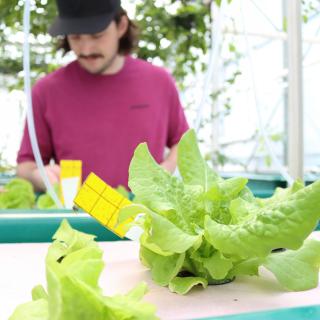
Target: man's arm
(28,170)
(170,162)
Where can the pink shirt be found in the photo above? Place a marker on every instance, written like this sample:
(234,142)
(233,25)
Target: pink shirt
(100,119)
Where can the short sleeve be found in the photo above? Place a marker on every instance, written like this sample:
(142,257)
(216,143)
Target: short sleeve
(178,124)
(42,128)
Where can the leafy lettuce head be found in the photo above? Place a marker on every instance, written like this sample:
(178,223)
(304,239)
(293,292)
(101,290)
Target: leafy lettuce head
(17,194)
(202,229)
(73,266)
(45,201)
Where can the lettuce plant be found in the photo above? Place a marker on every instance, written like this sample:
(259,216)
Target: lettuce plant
(17,194)
(45,201)
(202,229)
(73,266)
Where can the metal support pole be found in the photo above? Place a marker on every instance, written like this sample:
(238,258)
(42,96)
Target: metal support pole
(295,108)
(216,82)
(285,56)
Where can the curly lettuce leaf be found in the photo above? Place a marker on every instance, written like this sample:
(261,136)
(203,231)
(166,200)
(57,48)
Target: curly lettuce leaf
(130,306)
(73,267)
(226,190)
(38,292)
(282,194)
(183,285)
(45,201)
(218,266)
(217,226)
(168,237)
(249,267)
(282,225)
(161,192)
(33,310)
(17,194)
(163,269)
(193,168)
(296,270)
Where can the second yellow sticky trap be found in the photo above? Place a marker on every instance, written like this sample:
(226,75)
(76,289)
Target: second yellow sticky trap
(70,181)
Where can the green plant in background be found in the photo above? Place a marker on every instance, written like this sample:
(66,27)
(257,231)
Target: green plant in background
(73,267)
(45,201)
(207,230)
(17,194)
(177,33)
(42,47)
(184,30)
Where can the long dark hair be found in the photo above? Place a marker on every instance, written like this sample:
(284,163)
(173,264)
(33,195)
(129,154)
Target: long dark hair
(127,44)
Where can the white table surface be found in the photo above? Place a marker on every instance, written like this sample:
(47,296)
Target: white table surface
(22,267)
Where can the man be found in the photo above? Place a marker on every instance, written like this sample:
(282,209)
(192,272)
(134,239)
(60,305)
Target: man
(101,106)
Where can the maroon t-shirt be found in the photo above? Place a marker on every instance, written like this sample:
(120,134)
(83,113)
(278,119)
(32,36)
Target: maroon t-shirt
(100,119)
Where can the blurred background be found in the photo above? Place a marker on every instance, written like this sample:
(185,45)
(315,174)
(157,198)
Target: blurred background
(238,104)
(250,71)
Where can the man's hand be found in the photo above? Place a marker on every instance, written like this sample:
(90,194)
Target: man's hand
(170,166)
(29,171)
(53,172)
(170,163)
(2,189)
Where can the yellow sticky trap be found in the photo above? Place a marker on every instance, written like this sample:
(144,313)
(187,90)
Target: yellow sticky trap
(70,180)
(103,203)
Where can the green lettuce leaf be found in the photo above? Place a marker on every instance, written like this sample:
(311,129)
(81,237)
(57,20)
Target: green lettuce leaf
(33,310)
(193,168)
(130,306)
(183,285)
(282,194)
(204,227)
(17,194)
(161,192)
(249,267)
(297,270)
(277,225)
(73,267)
(218,266)
(45,201)
(168,237)
(38,292)
(226,190)
(163,269)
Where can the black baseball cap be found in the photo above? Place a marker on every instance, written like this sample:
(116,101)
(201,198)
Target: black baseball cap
(83,16)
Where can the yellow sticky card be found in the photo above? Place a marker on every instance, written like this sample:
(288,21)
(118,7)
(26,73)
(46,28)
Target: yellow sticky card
(103,203)
(70,180)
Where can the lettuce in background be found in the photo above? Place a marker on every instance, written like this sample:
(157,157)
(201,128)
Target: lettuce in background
(202,229)
(73,266)
(45,201)
(17,194)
